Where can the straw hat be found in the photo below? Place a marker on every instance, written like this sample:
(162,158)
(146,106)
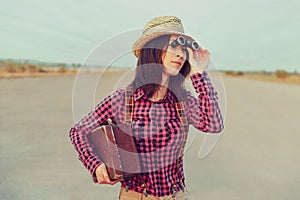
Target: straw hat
(156,27)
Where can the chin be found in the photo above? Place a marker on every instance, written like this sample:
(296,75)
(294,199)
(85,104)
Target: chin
(172,72)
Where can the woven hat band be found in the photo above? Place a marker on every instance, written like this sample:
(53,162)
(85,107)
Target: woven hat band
(173,23)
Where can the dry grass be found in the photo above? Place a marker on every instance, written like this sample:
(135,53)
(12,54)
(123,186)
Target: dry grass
(33,71)
(289,79)
(11,69)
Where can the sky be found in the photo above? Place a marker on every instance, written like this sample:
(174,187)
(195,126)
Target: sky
(241,35)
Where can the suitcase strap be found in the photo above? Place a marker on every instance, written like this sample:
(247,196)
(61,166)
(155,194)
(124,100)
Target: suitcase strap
(184,129)
(184,124)
(129,104)
(128,115)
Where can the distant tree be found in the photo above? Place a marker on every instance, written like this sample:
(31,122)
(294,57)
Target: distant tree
(230,73)
(76,65)
(61,68)
(31,68)
(10,66)
(281,74)
(240,73)
(41,70)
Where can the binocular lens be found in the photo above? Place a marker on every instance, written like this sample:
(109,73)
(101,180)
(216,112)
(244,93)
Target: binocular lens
(181,40)
(174,44)
(185,42)
(195,45)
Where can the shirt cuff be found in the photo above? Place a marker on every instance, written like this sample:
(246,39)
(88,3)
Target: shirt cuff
(201,81)
(93,172)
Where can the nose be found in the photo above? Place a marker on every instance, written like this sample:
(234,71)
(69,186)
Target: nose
(180,52)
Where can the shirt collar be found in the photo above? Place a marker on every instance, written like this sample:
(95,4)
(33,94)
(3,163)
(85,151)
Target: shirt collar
(140,93)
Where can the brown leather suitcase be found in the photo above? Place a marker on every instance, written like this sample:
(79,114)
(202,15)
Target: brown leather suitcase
(115,146)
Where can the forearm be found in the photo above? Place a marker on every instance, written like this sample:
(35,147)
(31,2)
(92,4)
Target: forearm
(79,132)
(204,112)
(85,153)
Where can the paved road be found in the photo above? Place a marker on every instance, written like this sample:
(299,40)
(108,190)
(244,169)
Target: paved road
(257,156)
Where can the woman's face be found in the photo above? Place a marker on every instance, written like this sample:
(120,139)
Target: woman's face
(174,58)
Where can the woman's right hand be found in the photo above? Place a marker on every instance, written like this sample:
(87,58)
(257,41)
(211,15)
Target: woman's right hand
(102,175)
(199,60)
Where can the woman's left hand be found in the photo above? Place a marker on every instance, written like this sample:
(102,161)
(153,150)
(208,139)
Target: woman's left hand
(199,59)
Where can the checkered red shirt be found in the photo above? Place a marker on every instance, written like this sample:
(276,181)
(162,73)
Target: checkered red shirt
(157,132)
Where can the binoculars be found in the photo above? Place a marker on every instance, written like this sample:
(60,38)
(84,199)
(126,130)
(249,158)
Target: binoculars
(185,42)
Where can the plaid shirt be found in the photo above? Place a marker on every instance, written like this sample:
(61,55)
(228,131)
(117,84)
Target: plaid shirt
(157,132)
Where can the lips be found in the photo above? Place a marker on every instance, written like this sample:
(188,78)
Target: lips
(176,62)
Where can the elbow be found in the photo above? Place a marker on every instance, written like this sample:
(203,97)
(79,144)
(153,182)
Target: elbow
(218,130)
(213,127)
(216,124)
(72,133)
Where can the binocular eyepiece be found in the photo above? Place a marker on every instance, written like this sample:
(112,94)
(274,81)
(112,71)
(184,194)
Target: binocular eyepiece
(185,42)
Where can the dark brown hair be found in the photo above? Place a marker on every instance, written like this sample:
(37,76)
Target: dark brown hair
(149,69)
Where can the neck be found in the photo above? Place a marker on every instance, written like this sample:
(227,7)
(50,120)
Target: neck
(162,89)
(165,80)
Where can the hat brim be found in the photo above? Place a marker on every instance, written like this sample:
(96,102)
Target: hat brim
(139,44)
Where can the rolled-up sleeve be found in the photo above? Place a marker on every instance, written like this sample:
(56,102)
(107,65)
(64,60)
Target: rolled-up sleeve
(203,112)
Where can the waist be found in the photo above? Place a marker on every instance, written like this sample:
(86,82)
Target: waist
(131,194)
(156,185)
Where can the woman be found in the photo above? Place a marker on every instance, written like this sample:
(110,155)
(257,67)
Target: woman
(166,57)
